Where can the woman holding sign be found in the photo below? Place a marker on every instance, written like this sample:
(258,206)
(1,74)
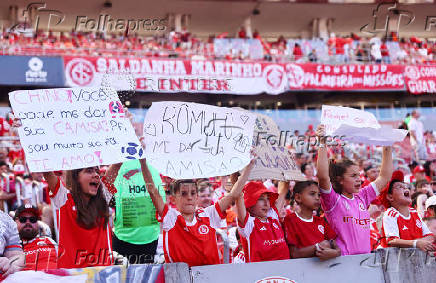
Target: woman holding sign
(344,202)
(84,233)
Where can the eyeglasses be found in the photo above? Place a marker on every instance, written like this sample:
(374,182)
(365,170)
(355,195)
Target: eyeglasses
(32,219)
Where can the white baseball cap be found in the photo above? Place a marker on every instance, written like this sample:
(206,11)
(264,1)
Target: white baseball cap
(430,201)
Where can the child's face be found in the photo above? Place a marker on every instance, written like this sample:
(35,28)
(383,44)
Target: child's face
(89,180)
(309,197)
(260,209)
(401,195)
(308,171)
(351,180)
(186,198)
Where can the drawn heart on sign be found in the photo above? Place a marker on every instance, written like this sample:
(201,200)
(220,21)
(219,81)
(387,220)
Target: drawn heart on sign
(150,130)
(244,118)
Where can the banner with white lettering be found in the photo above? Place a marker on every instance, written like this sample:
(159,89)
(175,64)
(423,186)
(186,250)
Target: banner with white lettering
(73,128)
(274,160)
(231,77)
(420,79)
(191,140)
(345,77)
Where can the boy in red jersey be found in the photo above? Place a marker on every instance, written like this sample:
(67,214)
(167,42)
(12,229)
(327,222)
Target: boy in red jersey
(262,236)
(402,226)
(189,233)
(309,235)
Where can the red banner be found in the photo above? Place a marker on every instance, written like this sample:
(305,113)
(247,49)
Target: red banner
(420,79)
(345,77)
(232,77)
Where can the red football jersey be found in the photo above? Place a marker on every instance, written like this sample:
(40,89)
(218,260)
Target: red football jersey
(194,243)
(263,241)
(41,254)
(395,225)
(375,235)
(80,247)
(302,233)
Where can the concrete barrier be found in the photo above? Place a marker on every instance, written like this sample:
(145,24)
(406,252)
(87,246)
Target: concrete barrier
(385,266)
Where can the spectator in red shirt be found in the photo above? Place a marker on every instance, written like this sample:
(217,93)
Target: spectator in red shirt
(41,252)
(259,225)
(385,53)
(371,174)
(83,222)
(309,235)
(189,233)
(242,33)
(402,226)
(298,53)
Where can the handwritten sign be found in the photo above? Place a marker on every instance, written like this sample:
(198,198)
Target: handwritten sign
(190,140)
(274,160)
(334,116)
(384,136)
(73,128)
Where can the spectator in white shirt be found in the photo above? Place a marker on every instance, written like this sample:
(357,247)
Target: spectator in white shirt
(416,129)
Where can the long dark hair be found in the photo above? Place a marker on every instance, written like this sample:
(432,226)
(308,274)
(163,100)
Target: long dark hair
(89,214)
(337,171)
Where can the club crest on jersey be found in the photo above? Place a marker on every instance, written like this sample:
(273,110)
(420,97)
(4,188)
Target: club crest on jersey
(275,226)
(418,223)
(321,228)
(203,229)
(361,207)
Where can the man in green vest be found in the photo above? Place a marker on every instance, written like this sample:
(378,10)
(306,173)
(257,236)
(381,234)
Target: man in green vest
(136,229)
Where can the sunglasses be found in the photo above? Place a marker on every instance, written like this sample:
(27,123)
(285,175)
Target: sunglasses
(32,219)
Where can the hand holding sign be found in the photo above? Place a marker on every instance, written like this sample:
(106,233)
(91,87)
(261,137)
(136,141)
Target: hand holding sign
(358,126)
(190,140)
(64,129)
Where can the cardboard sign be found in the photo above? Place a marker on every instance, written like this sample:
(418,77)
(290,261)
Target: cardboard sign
(274,160)
(190,140)
(73,128)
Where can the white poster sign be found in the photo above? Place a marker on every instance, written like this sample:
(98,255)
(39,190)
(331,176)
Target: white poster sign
(190,140)
(274,160)
(334,116)
(73,128)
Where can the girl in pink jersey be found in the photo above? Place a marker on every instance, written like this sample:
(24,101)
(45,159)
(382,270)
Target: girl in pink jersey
(344,202)
(259,226)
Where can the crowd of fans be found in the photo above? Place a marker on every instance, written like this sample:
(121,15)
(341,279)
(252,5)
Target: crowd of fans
(336,49)
(349,204)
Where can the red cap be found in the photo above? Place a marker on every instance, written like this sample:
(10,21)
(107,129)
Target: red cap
(252,192)
(397,176)
(418,169)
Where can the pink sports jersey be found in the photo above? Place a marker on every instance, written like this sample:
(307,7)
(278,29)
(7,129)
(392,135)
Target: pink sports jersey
(349,218)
